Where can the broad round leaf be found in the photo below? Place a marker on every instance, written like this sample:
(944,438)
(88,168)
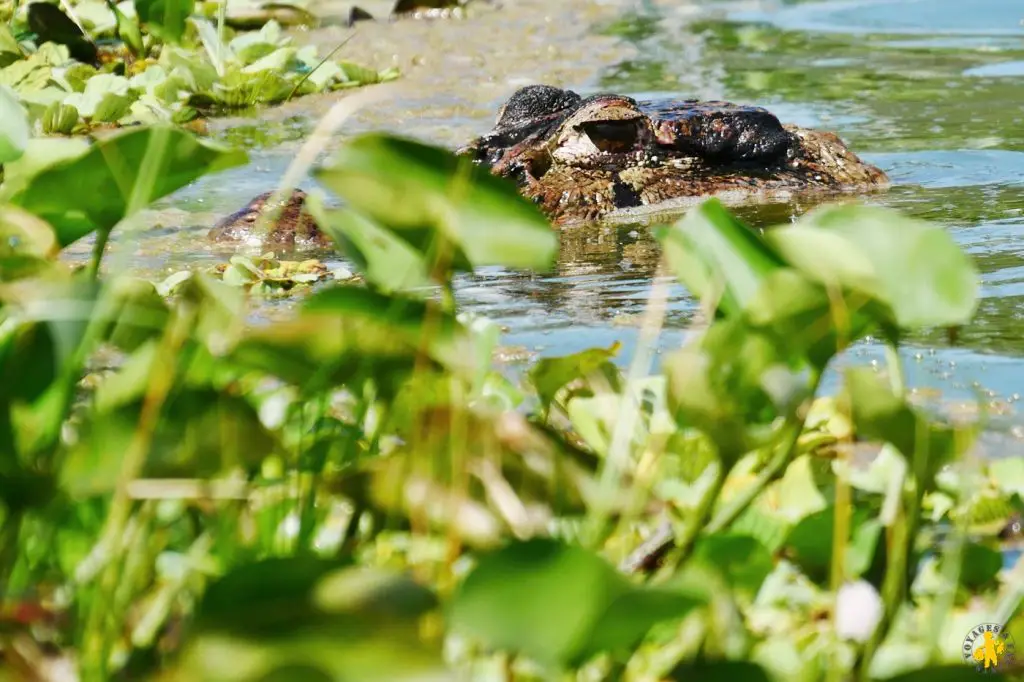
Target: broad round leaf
(119,175)
(424,193)
(914,267)
(714,254)
(557,604)
(13,126)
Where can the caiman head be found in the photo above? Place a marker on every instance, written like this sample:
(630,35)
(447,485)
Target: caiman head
(582,158)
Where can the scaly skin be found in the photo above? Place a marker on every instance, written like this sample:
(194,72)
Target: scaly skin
(294,226)
(583,159)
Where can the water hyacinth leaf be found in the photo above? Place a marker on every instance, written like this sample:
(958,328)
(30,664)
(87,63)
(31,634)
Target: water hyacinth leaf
(165,19)
(913,267)
(882,415)
(980,566)
(118,175)
(201,433)
(51,25)
(302,613)
(809,544)
(441,204)
(557,604)
(346,334)
(387,262)
(135,312)
(97,89)
(719,671)
(714,254)
(731,383)
(743,561)
(27,244)
(14,130)
(814,323)
(549,375)
(947,673)
(10,49)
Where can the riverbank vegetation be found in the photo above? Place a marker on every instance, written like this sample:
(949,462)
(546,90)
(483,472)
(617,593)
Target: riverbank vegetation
(359,491)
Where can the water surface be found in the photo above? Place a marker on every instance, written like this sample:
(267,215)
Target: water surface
(929,90)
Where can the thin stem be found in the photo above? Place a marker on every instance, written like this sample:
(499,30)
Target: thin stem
(893,585)
(840,540)
(10,531)
(96,651)
(772,471)
(703,512)
(448,302)
(895,365)
(791,430)
(646,557)
(102,237)
(222,20)
(322,62)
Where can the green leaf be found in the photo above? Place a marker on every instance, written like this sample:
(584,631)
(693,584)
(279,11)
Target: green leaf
(348,334)
(119,175)
(40,154)
(201,433)
(1008,474)
(389,263)
(731,383)
(714,254)
(549,375)
(946,673)
(283,618)
(27,244)
(13,126)
(810,544)
(880,414)
(743,561)
(557,604)
(165,19)
(136,313)
(913,267)
(813,322)
(10,50)
(41,359)
(981,565)
(441,204)
(719,671)
(98,89)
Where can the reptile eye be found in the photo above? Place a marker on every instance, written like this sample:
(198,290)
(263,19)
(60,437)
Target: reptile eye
(612,136)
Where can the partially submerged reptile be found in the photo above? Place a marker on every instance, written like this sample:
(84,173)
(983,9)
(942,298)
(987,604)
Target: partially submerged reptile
(582,159)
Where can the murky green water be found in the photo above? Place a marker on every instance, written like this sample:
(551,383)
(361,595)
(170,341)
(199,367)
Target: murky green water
(930,90)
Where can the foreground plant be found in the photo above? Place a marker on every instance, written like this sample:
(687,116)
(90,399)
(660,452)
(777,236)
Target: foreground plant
(355,492)
(167,66)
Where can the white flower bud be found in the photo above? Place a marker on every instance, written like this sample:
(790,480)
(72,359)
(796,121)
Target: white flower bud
(858,611)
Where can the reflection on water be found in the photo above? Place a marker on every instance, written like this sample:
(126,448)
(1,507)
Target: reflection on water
(923,89)
(930,90)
